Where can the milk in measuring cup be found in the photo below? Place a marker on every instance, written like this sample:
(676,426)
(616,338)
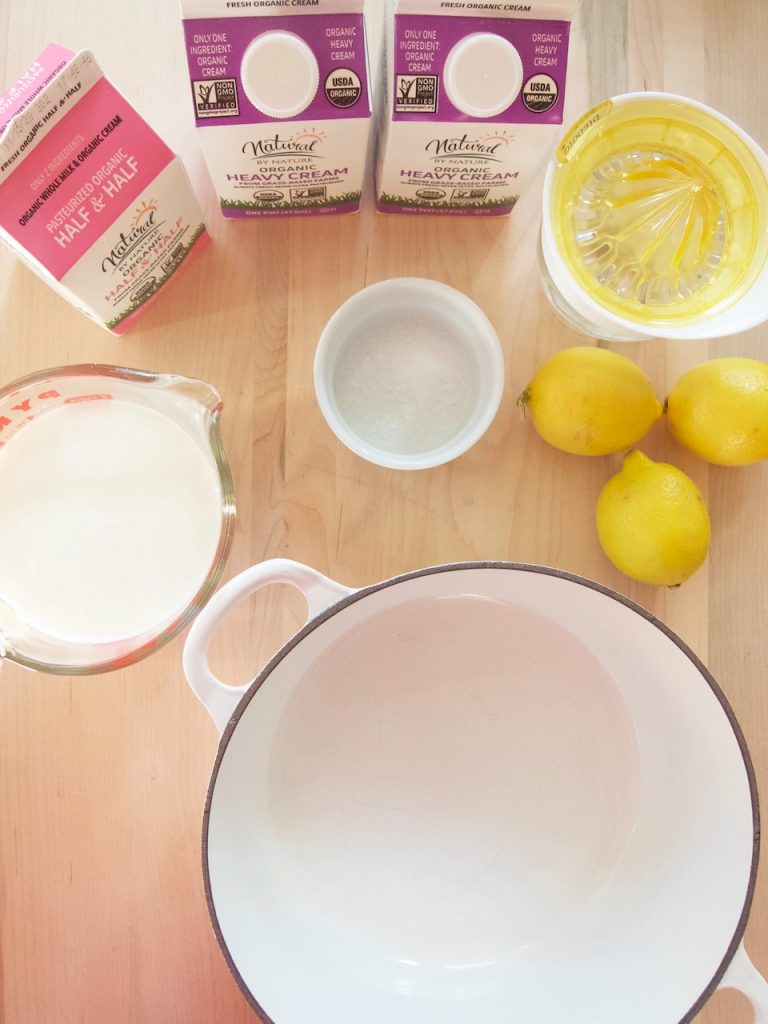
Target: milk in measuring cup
(109,523)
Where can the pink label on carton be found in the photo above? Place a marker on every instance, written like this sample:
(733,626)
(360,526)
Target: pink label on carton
(32,82)
(80,178)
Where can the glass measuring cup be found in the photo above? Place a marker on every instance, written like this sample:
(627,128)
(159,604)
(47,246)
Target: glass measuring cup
(100,467)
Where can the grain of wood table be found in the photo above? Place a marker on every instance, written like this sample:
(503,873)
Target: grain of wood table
(103,778)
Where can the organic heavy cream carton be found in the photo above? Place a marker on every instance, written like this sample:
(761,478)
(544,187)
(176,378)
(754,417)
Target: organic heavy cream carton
(90,197)
(281,101)
(473,102)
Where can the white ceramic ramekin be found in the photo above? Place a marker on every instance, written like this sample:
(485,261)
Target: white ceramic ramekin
(423,311)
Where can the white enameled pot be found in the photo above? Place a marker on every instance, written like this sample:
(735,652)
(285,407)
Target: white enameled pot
(474,794)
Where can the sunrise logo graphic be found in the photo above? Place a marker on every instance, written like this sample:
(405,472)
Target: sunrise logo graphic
(144,210)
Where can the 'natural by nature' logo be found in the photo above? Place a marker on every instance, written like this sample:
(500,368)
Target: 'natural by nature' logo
(143,223)
(464,145)
(304,141)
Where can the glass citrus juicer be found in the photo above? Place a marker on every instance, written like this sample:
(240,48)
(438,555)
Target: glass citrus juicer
(116,518)
(654,222)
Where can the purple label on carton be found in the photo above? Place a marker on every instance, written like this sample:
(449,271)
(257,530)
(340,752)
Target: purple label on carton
(216,47)
(422,44)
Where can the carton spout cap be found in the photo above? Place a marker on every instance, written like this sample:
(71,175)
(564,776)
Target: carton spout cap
(483,75)
(279,74)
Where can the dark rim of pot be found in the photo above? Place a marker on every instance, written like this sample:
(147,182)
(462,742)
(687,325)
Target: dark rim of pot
(358,595)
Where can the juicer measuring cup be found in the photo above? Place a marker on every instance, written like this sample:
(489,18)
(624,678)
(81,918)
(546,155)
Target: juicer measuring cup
(117,517)
(653,222)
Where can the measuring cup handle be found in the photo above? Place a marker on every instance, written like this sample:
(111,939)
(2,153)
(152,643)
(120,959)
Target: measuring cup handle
(744,976)
(219,698)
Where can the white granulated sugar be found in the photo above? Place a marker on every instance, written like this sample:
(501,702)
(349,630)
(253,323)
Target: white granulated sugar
(406,385)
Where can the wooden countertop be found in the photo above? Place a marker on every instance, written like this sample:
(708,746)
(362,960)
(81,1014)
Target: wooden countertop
(103,779)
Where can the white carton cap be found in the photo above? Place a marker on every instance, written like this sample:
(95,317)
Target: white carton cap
(483,74)
(279,74)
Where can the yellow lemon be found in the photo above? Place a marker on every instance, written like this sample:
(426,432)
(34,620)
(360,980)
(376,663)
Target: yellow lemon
(719,410)
(590,401)
(652,522)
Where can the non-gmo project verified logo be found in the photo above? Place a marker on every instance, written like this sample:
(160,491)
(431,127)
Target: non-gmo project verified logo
(416,94)
(217,98)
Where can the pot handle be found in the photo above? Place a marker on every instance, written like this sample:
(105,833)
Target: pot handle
(744,976)
(219,698)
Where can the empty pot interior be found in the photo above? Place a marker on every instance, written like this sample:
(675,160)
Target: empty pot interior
(480,794)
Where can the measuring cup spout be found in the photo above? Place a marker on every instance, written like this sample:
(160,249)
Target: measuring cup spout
(192,390)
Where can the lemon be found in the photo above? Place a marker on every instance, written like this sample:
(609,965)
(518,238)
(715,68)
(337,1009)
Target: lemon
(652,522)
(719,410)
(590,401)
